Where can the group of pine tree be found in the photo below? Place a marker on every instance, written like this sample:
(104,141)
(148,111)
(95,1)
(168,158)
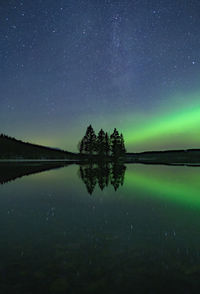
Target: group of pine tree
(102,145)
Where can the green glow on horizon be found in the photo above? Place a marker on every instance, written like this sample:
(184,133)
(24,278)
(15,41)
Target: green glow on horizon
(166,126)
(179,191)
(182,123)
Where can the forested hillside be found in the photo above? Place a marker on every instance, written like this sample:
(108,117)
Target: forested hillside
(11,148)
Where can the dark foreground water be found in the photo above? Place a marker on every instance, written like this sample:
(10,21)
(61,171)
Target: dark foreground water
(61,233)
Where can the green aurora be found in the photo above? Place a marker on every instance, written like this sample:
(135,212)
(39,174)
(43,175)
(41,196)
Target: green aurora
(177,129)
(159,182)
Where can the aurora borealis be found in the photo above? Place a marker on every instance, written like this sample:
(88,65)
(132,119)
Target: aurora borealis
(169,129)
(160,183)
(133,65)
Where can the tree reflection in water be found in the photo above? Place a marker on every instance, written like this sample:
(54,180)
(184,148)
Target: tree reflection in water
(104,173)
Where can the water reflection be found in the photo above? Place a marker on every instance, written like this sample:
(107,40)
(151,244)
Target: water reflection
(92,174)
(12,171)
(55,238)
(102,174)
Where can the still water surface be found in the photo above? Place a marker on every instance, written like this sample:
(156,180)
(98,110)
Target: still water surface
(61,234)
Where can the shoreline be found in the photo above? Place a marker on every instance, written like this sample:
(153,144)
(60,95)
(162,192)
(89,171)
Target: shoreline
(169,157)
(37,160)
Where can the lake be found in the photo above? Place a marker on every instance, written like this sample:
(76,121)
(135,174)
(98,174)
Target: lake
(87,229)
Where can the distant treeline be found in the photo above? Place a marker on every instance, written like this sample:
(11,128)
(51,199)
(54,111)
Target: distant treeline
(102,144)
(10,148)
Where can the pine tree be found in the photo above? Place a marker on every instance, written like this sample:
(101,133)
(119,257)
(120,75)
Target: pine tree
(90,141)
(122,147)
(81,145)
(101,143)
(115,144)
(107,144)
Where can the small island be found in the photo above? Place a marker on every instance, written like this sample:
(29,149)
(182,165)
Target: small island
(92,148)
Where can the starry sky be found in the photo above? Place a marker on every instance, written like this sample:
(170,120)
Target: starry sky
(129,64)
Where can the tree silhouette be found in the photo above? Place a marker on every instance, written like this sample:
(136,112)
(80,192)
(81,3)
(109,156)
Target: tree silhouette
(107,144)
(101,143)
(81,145)
(88,142)
(11,148)
(115,144)
(122,145)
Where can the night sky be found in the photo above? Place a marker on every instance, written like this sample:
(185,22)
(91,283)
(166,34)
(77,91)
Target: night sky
(133,65)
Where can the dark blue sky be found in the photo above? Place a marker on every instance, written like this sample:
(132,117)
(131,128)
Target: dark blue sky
(65,64)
